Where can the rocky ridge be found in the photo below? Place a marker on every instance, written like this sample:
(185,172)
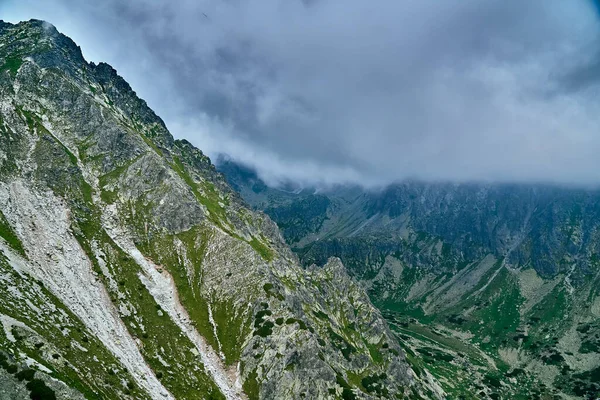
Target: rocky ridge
(491,287)
(130,269)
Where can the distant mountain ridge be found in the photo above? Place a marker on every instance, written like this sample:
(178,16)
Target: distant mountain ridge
(511,269)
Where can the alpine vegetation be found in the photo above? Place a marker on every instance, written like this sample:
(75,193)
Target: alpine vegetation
(130,269)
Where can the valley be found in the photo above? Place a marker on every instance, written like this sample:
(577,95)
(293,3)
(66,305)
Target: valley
(491,288)
(133,267)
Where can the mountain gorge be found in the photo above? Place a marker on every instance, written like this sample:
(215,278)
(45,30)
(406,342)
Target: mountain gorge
(130,269)
(493,288)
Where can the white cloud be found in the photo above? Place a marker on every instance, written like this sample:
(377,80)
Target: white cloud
(360,92)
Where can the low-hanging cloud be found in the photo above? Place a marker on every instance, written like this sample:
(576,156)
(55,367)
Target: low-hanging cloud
(324,91)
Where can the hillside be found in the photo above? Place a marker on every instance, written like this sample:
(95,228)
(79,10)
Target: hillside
(130,269)
(494,288)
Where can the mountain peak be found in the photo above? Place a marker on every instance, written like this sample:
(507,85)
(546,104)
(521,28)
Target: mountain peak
(166,284)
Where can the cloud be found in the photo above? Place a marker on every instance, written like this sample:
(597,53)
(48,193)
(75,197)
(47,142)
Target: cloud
(324,91)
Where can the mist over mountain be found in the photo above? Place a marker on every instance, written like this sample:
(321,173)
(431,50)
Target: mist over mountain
(129,269)
(303,199)
(493,288)
(325,92)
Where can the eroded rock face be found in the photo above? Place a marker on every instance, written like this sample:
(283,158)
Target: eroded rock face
(510,272)
(129,268)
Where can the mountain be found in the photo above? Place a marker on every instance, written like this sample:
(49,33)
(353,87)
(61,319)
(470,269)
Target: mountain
(494,288)
(130,269)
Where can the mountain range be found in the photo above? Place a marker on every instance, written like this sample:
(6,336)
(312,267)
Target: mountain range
(133,267)
(493,288)
(129,268)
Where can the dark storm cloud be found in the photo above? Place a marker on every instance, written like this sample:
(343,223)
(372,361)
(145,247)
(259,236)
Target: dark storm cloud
(325,91)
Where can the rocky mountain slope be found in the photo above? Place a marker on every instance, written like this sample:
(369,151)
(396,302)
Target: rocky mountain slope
(494,288)
(130,269)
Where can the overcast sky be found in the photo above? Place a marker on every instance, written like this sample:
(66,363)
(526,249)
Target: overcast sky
(324,91)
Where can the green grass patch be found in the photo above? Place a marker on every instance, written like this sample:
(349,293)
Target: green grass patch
(375,353)
(251,386)
(206,193)
(115,173)
(12,64)
(9,235)
(265,252)
(347,392)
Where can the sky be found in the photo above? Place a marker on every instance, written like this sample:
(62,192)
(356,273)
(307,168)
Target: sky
(322,92)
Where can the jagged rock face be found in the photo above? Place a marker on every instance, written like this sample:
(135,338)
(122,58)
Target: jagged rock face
(541,226)
(511,271)
(130,269)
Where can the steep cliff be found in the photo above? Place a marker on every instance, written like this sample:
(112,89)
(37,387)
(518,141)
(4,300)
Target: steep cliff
(492,287)
(130,269)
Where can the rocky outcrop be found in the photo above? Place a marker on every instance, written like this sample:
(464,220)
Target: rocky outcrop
(512,270)
(129,268)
